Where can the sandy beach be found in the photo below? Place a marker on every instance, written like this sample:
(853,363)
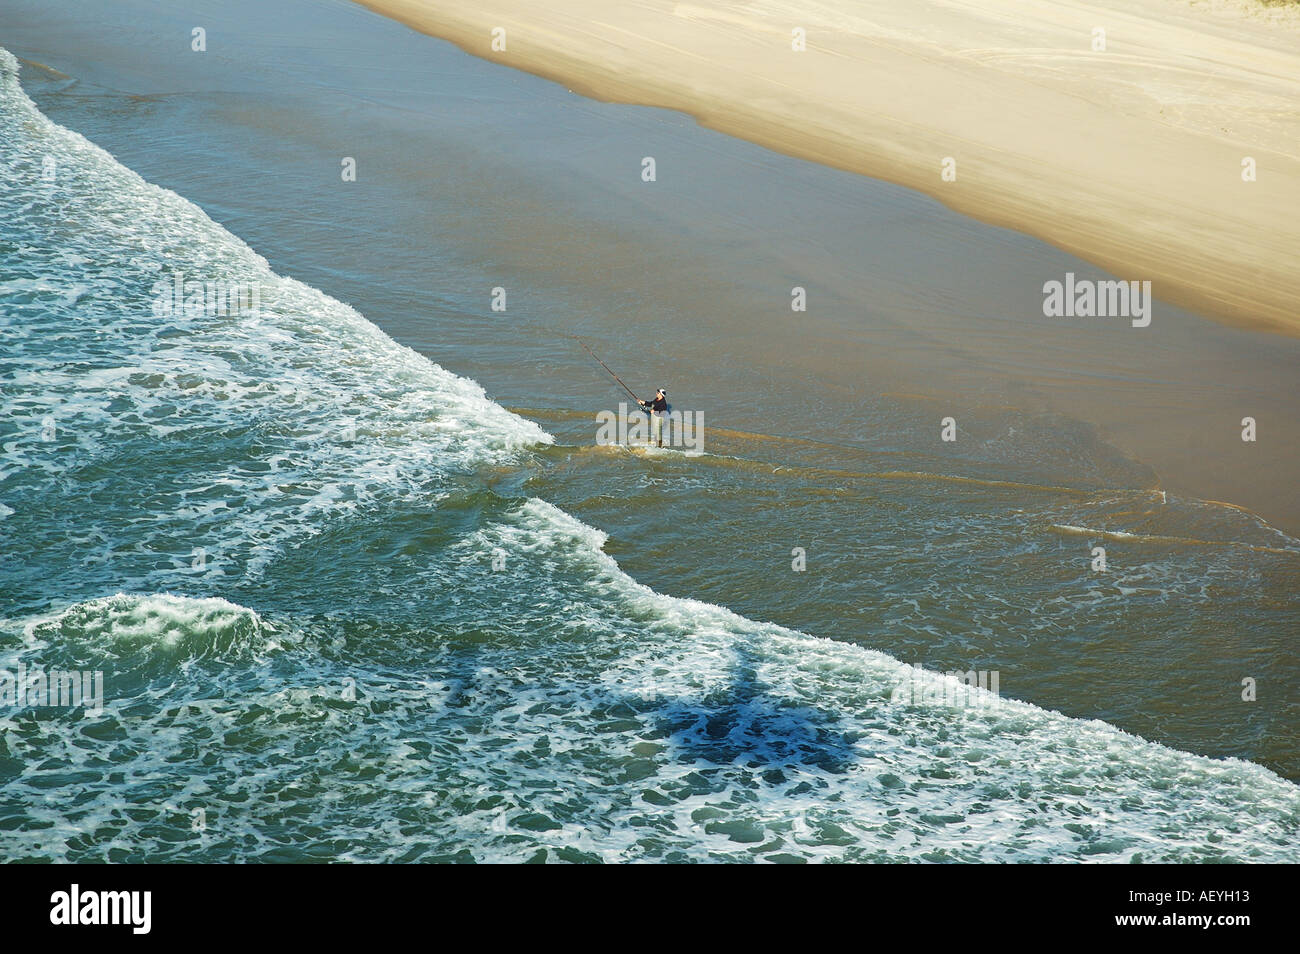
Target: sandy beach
(1130,156)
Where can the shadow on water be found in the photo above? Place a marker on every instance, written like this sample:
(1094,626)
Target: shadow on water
(745,723)
(740,722)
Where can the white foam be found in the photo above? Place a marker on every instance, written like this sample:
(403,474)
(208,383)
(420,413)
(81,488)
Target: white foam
(340,413)
(159,623)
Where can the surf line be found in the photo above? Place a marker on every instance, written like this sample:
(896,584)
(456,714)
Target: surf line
(1125,536)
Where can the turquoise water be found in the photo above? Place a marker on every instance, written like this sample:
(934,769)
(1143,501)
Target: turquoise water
(347,607)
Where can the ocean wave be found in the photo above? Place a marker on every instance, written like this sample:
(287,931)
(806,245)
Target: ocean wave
(163,624)
(232,432)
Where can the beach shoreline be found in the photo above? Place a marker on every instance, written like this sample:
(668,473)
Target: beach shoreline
(1172,107)
(265,512)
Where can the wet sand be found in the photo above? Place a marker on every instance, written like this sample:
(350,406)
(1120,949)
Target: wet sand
(1129,156)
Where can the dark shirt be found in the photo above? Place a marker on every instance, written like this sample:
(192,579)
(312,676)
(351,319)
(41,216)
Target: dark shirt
(658,405)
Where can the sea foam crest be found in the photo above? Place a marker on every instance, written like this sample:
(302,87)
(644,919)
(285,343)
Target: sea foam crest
(248,430)
(158,624)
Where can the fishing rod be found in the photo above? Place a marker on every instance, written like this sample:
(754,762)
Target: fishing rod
(606,367)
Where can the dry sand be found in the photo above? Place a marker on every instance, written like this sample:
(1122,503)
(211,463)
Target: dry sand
(1129,157)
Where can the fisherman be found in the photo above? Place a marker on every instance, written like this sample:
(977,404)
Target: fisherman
(658,409)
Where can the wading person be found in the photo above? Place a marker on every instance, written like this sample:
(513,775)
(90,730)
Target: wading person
(658,409)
